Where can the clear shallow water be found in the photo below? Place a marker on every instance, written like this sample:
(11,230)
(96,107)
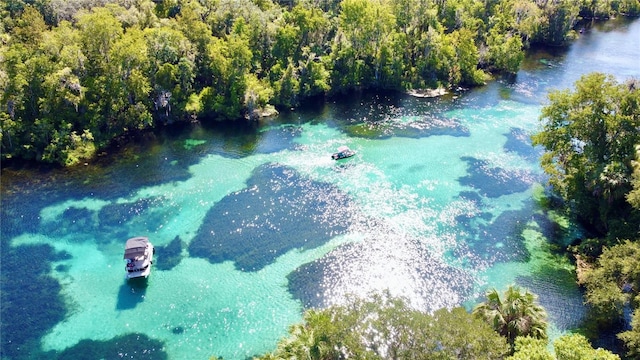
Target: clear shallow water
(253,224)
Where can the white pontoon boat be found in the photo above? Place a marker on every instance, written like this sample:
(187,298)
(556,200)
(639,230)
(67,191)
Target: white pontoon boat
(138,252)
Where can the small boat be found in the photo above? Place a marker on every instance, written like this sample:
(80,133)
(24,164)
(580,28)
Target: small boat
(138,252)
(343,153)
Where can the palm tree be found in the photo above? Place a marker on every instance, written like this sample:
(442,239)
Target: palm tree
(307,341)
(516,314)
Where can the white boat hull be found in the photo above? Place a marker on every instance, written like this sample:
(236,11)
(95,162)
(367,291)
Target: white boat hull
(139,265)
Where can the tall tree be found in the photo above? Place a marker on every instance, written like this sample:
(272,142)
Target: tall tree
(557,21)
(514,314)
(366,27)
(566,347)
(634,195)
(590,136)
(577,347)
(383,327)
(614,282)
(99,30)
(171,69)
(528,348)
(631,337)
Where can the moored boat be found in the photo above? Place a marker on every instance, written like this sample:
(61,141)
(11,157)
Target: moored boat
(138,253)
(343,153)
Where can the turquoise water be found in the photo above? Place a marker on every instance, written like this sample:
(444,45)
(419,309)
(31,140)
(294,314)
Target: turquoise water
(255,223)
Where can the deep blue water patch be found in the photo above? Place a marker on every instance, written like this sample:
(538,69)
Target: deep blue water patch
(19,213)
(519,142)
(278,211)
(559,294)
(169,256)
(25,287)
(495,181)
(490,240)
(130,346)
(73,220)
(502,238)
(117,214)
(79,218)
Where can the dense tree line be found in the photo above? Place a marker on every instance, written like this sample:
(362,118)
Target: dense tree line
(592,140)
(74,75)
(511,326)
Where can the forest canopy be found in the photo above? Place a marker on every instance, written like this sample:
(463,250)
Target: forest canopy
(591,139)
(74,75)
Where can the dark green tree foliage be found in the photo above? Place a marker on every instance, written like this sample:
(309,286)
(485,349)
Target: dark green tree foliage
(614,281)
(602,9)
(78,73)
(387,328)
(528,348)
(577,347)
(590,136)
(633,197)
(557,21)
(566,347)
(514,314)
(631,337)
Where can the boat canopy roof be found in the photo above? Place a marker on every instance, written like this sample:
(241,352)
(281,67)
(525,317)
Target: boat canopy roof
(343,148)
(135,247)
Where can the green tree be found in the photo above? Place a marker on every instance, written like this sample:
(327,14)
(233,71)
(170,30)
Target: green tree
(557,21)
(387,328)
(577,347)
(456,334)
(309,340)
(366,28)
(171,70)
(287,87)
(191,24)
(437,66)
(614,281)
(467,56)
(528,348)
(628,7)
(99,30)
(590,136)
(631,337)
(29,27)
(505,51)
(314,76)
(128,85)
(566,347)
(527,19)
(514,314)
(633,197)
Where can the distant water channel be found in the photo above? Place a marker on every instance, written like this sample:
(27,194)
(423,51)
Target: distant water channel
(255,223)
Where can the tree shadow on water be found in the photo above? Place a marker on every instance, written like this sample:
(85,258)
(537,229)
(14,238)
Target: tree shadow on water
(132,292)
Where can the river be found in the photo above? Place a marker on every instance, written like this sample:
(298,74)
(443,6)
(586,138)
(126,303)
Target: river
(253,223)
